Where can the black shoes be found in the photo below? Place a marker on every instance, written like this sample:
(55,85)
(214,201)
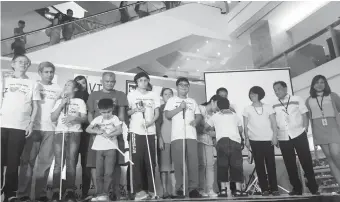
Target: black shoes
(70,197)
(265,193)
(55,197)
(180,194)
(295,193)
(42,199)
(195,194)
(25,199)
(276,193)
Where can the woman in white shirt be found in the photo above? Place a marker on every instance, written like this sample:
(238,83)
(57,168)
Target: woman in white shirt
(261,135)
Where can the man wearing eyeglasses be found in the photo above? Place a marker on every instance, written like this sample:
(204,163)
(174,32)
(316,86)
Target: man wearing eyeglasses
(185,115)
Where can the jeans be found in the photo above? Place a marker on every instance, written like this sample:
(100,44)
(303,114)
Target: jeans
(71,146)
(12,145)
(39,145)
(206,162)
(105,161)
(86,172)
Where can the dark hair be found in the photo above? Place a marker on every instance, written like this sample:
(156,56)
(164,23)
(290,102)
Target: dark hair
(327,91)
(121,4)
(105,103)
(213,98)
(82,94)
(181,79)
(57,15)
(223,103)
(21,55)
(164,89)
(257,90)
(140,75)
(282,83)
(21,22)
(68,10)
(221,89)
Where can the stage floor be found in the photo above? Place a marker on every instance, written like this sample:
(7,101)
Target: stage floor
(282,198)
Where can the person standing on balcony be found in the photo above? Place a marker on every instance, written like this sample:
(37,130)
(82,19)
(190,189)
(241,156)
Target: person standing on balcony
(292,122)
(18,46)
(55,32)
(39,144)
(142,9)
(68,29)
(324,107)
(124,14)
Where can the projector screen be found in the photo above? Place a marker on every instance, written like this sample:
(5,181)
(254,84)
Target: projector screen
(238,84)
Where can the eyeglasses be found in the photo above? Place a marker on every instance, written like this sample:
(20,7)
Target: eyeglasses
(184,85)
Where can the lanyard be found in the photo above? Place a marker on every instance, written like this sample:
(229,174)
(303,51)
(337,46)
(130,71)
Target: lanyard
(286,107)
(320,106)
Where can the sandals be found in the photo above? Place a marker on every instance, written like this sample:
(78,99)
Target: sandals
(223,193)
(238,193)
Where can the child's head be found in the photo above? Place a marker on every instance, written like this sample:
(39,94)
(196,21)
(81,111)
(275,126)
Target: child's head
(71,87)
(20,64)
(223,92)
(223,103)
(166,94)
(105,107)
(46,71)
(213,102)
(183,85)
(21,24)
(142,80)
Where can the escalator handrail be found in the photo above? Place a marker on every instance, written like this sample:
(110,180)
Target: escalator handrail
(74,21)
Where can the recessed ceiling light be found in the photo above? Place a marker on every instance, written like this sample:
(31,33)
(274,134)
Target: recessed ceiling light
(229,2)
(198,50)
(198,70)
(229,46)
(178,67)
(218,53)
(188,58)
(208,62)
(206,41)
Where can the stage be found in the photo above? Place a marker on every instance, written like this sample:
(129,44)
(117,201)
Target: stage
(282,198)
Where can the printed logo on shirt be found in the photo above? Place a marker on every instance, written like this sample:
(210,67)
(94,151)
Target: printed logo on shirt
(146,102)
(190,106)
(18,87)
(48,94)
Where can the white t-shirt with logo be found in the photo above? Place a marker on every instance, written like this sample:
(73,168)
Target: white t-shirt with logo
(49,95)
(226,125)
(109,125)
(259,125)
(150,101)
(76,107)
(16,108)
(178,124)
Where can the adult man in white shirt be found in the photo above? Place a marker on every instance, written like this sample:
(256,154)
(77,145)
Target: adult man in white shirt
(185,115)
(292,122)
(18,112)
(40,143)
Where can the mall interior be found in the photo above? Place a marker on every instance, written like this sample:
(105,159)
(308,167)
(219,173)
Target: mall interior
(168,40)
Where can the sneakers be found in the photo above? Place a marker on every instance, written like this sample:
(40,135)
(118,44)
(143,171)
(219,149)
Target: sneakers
(25,199)
(276,193)
(195,194)
(86,197)
(94,198)
(55,197)
(13,199)
(103,198)
(211,193)
(141,196)
(295,193)
(180,194)
(265,193)
(42,199)
(70,196)
(203,194)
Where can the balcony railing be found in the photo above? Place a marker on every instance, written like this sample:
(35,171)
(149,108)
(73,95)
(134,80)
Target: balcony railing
(38,39)
(310,52)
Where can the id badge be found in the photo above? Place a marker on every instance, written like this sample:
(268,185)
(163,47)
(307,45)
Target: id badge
(324,122)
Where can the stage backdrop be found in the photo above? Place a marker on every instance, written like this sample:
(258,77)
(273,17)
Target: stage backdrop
(239,83)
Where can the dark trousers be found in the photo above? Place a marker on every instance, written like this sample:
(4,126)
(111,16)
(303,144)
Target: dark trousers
(264,157)
(86,172)
(142,177)
(71,148)
(301,146)
(12,145)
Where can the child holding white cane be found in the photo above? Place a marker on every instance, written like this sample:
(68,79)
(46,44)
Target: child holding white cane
(106,127)
(69,112)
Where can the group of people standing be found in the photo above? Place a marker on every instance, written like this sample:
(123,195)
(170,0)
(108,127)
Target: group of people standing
(40,120)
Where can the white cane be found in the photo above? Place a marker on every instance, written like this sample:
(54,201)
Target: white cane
(185,135)
(61,165)
(131,180)
(147,142)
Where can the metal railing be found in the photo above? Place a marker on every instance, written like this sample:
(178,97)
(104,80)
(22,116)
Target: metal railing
(290,52)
